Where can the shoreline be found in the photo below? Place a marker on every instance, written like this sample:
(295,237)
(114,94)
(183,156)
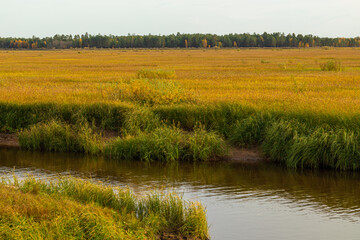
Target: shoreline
(41,209)
(246,155)
(9,140)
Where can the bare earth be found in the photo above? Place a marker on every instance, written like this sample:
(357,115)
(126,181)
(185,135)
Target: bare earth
(9,140)
(246,155)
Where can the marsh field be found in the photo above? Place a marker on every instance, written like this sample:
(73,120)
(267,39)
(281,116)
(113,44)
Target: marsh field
(280,79)
(172,119)
(300,106)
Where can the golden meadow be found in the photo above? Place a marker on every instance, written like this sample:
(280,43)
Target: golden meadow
(282,79)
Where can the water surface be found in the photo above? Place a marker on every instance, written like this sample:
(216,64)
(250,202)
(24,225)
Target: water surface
(243,201)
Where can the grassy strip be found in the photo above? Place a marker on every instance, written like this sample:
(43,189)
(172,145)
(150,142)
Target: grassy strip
(218,117)
(76,209)
(15,117)
(162,143)
(301,139)
(169,144)
(60,137)
(299,145)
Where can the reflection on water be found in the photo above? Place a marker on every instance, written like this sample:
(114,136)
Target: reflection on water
(243,201)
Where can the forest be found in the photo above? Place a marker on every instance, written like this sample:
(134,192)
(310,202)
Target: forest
(178,41)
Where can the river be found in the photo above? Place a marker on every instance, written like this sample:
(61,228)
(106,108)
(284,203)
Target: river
(243,201)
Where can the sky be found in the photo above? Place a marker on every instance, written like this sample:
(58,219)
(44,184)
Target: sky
(324,18)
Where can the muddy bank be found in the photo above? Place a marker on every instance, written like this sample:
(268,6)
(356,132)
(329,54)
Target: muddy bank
(9,140)
(245,155)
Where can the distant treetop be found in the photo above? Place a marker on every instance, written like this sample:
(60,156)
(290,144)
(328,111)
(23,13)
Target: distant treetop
(178,40)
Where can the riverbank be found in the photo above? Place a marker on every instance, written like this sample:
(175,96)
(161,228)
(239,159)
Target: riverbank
(9,140)
(187,132)
(77,209)
(249,195)
(240,155)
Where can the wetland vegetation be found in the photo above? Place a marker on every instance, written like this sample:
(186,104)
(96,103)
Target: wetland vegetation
(299,107)
(76,209)
(178,107)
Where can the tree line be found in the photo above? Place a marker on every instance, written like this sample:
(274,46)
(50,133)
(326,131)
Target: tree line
(177,41)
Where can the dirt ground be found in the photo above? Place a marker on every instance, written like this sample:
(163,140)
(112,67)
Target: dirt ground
(9,140)
(245,155)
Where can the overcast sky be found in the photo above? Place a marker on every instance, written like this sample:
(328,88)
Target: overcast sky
(25,18)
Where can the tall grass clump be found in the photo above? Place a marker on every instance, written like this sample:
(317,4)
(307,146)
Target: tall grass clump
(85,210)
(162,144)
(139,120)
(60,137)
(327,149)
(89,140)
(188,218)
(51,136)
(346,147)
(149,91)
(168,144)
(156,74)
(203,145)
(312,150)
(251,130)
(331,65)
(298,145)
(279,137)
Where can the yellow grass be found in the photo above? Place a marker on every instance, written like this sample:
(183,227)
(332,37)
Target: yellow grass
(283,79)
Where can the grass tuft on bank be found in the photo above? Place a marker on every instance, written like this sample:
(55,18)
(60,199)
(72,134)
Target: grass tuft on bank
(61,137)
(169,144)
(77,209)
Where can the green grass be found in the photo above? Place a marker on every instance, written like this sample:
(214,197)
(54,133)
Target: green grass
(295,139)
(15,117)
(76,209)
(61,137)
(168,144)
(139,120)
(251,130)
(297,146)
